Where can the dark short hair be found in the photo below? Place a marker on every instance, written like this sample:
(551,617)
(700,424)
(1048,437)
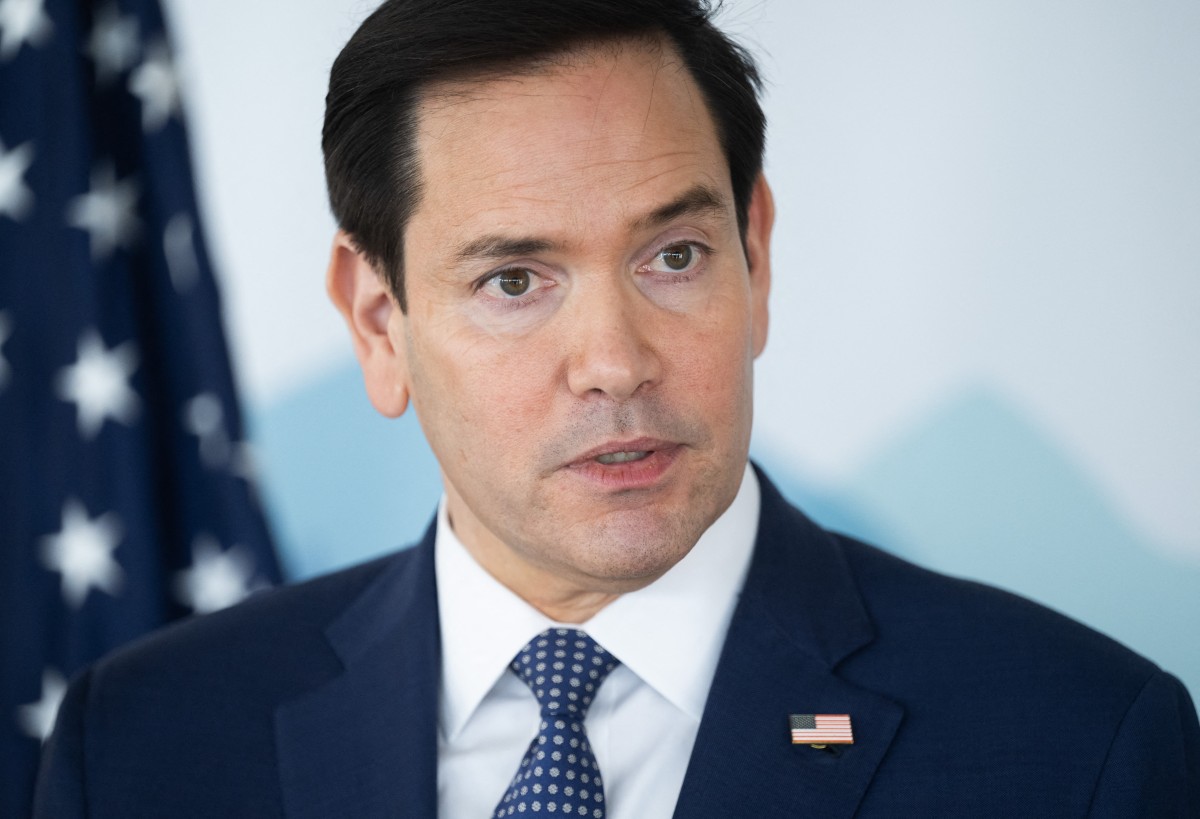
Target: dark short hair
(376,82)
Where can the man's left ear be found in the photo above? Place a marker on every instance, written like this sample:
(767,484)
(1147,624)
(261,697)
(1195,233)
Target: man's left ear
(366,303)
(760,220)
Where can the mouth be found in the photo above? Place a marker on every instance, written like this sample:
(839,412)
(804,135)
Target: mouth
(622,466)
(616,453)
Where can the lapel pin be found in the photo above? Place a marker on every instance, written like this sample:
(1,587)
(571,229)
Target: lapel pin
(820,730)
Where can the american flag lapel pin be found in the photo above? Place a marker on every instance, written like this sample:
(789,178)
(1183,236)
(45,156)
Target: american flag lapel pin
(819,730)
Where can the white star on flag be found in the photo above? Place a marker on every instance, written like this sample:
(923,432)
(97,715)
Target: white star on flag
(5,335)
(113,44)
(98,383)
(37,718)
(16,199)
(22,21)
(204,418)
(217,579)
(244,464)
(180,250)
(155,84)
(82,552)
(106,212)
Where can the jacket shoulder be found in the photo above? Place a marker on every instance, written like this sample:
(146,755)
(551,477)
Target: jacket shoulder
(188,711)
(930,612)
(995,686)
(285,624)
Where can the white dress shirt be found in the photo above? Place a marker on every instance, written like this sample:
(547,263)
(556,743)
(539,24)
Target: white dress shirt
(644,720)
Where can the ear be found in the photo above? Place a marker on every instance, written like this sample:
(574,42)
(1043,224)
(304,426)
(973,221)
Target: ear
(760,220)
(366,303)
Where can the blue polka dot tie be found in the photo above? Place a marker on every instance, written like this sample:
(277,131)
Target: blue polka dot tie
(563,667)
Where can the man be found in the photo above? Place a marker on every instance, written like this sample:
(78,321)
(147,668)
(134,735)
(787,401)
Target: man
(554,244)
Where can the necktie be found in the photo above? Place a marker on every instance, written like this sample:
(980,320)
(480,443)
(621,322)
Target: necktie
(558,775)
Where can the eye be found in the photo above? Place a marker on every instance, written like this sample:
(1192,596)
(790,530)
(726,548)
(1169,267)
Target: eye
(514,283)
(677,257)
(683,257)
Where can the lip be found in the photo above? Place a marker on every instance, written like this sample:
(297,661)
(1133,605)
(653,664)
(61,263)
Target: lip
(643,474)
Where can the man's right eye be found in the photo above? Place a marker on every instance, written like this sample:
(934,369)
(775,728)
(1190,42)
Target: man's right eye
(515,285)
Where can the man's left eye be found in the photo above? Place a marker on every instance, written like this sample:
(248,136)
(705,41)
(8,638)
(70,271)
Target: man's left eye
(514,282)
(677,258)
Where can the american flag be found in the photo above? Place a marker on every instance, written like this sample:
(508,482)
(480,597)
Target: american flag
(125,495)
(821,729)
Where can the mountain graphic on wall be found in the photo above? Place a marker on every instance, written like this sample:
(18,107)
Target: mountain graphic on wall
(977,490)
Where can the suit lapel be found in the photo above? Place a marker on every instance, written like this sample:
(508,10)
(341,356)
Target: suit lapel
(364,742)
(800,615)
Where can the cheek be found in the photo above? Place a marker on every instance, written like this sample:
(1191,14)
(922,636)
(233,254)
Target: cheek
(487,398)
(719,386)
(714,356)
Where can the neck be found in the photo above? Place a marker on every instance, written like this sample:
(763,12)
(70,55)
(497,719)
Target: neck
(561,596)
(574,609)
(562,599)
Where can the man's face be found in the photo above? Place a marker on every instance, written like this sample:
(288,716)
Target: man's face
(582,319)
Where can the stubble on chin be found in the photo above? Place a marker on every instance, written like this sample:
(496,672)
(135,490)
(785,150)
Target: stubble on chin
(626,548)
(609,542)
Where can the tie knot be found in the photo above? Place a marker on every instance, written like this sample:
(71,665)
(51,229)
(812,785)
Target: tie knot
(563,667)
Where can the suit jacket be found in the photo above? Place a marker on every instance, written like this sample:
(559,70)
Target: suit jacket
(320,700)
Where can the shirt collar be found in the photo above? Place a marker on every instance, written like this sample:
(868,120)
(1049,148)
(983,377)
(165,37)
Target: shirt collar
(669,633)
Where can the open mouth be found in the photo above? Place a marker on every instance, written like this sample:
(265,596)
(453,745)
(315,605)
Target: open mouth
(622,457)
(626,465)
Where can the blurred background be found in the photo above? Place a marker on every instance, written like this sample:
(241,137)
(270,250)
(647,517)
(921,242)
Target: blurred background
(985,349)
(984,354)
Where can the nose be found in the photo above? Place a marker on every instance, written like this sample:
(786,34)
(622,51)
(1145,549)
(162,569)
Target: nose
(610,340)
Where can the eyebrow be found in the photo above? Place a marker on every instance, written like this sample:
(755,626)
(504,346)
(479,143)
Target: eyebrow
(496,247)
(700,200)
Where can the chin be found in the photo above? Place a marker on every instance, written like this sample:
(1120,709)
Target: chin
(632,551)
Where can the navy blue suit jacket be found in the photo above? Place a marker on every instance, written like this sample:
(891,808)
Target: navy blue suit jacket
(320,700)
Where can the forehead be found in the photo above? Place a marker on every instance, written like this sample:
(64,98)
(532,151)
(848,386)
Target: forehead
(591,133)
